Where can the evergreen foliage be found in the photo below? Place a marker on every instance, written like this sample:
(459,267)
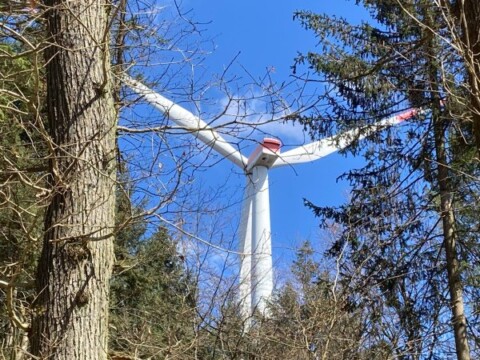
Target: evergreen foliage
(152,301)
(152,304)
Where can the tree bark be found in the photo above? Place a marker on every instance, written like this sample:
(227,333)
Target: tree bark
(71,310)
(450,245)
(450,238)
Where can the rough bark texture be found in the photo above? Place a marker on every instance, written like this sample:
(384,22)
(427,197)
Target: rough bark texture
(71,312)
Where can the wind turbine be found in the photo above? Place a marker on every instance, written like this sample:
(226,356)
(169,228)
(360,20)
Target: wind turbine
(256,272)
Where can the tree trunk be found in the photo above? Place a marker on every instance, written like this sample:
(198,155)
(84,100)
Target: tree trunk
(71,311)
(450,240)
(450,245)
(447,207)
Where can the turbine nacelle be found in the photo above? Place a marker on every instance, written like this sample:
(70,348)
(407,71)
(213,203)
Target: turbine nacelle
(265,154)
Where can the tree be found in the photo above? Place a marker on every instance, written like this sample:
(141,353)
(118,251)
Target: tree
(152,303)
(310,317)
(71,310)
(407,197)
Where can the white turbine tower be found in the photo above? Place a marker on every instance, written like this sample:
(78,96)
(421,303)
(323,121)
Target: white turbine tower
(256,273)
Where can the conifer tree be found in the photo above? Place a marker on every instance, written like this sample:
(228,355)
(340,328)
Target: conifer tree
(401,227)
(152,305)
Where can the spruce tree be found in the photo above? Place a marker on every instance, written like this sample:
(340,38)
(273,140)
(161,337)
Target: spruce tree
(152,305)
(401,227)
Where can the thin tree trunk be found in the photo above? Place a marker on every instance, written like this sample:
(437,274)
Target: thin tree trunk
(450,244)
(450,239)
(447,208)
(71,311)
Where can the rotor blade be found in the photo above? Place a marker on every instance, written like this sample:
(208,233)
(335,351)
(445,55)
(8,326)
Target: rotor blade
(327,146)
(188,121)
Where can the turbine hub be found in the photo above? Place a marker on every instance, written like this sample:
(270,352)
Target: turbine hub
(265,154)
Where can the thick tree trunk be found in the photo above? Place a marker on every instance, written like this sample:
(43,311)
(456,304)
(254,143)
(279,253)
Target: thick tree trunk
(71,312)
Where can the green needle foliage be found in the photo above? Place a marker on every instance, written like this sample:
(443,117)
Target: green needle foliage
(152,294)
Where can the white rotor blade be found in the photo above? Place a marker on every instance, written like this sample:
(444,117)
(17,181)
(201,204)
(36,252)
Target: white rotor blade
(324,147)
(188,121)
